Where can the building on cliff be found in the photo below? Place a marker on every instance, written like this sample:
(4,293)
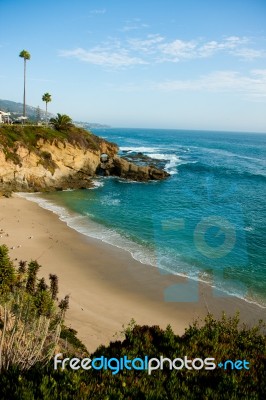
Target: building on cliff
(4,117)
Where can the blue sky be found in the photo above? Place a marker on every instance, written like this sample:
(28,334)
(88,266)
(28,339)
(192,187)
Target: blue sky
(161,64)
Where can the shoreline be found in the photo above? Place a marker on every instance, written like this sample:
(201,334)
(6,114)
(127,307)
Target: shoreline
(107,286)
(63,215)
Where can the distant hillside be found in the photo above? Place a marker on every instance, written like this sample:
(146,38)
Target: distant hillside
(16,110)
(90,125)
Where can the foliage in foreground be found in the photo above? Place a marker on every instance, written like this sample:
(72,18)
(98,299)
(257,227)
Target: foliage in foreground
(30,317)
(221,339)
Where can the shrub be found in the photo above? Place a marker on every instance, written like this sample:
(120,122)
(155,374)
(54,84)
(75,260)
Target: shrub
(220,339)
(30,319)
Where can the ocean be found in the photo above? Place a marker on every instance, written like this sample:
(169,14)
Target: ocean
(206,221)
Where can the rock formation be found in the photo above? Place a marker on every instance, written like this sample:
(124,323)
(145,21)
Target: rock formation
(118,166)
(63,163)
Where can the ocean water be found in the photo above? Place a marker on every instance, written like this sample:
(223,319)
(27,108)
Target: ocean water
(206,221)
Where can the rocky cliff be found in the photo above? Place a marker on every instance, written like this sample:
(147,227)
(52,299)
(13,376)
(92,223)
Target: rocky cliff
(39,158)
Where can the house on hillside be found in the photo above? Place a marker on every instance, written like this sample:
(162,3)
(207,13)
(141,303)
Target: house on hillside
(20,120)
(4,117)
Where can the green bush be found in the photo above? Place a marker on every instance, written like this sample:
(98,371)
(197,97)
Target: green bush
(29,321)
(221,339)
(12,135)
(47,161)
(30,318)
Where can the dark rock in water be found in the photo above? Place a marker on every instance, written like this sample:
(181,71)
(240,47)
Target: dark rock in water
(143,159)
(122,168)
(80,180)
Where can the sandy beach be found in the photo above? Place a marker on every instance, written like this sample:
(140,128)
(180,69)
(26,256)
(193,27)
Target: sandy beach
(107,287)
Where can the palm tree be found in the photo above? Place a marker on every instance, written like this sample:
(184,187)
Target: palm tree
(26,55)
(61,122)
(47,98)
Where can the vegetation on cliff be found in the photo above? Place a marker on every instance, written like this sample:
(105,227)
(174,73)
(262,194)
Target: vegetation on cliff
(28,135)
(61,122)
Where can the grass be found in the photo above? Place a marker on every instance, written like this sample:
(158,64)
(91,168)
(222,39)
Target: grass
(29,135)
(12,136)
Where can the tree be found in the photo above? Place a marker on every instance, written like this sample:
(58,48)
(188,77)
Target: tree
(26,55)
(7,271)
(33,269)
(30,319)
(54,285)
(38,114)
(47,98)
(61,122)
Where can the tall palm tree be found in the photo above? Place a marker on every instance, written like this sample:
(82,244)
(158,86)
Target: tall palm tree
(47,98)
(26,55)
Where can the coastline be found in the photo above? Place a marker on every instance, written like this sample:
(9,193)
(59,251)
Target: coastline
(107,286)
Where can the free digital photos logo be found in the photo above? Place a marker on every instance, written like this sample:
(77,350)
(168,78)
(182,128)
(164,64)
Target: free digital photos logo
(146,364)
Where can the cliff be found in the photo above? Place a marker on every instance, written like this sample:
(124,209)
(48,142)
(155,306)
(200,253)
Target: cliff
(35,158)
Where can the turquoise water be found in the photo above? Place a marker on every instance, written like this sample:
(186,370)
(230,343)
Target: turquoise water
(206,221)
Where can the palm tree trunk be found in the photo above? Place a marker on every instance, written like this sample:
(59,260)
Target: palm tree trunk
(24,95)
(46,113)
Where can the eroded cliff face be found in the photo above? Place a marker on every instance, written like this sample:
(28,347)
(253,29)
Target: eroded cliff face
(51,165)
(60,164)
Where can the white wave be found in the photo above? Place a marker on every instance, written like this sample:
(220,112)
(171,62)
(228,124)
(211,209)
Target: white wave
(109,201)
(130,182)
(62,212)
(172,161)
(183,162)
(159,156)
(169,168)
(248,229)
(87,227)
(97,183)
(141,149)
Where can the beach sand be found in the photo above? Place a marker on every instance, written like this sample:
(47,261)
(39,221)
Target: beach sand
(107,287)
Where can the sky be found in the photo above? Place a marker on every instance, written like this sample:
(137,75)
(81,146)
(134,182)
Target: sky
(140,63)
